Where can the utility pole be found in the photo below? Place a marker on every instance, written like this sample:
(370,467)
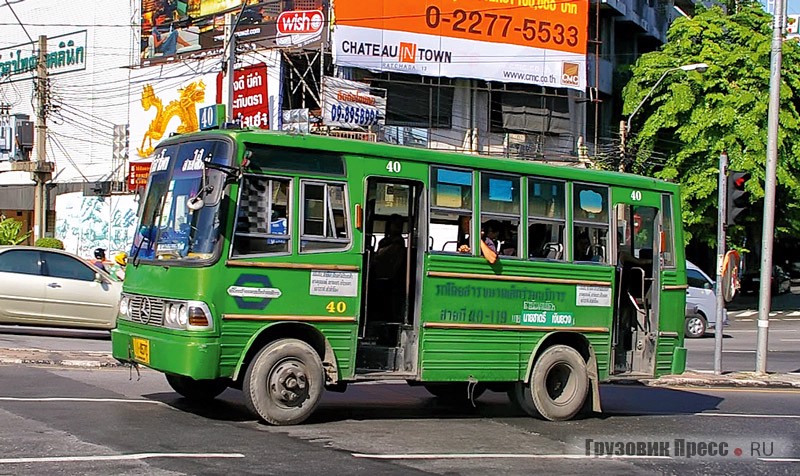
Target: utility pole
(623,138)
(721,206)
(42,172)
(765,295)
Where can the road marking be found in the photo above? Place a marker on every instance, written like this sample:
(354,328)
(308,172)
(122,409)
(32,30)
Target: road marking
(790,340)
(745,415)
(496,456)
(133,456)
(738,389)
(738,352)
(744,320)
(794,314)
(746,313)
(780,460)
(72,399)
(790,319)
(773,314)
(742,330)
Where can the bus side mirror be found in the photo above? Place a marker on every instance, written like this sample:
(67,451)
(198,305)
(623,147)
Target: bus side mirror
(359,217)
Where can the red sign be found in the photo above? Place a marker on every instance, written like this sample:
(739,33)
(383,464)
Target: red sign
(250,101)
(300,21)
(137,175)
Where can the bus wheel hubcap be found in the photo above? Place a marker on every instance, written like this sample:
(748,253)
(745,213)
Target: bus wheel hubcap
(288,383)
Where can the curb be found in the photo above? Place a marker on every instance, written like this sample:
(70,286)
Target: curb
(74,359)
(729,380)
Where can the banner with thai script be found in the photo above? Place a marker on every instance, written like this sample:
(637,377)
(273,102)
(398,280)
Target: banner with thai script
(349,105)
(250,99)
(65,54)
(542,42)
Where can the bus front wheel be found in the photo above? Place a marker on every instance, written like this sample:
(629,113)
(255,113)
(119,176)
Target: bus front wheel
(284,382)
(197,390)
(558,387)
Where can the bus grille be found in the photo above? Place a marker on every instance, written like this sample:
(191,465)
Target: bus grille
(147,310)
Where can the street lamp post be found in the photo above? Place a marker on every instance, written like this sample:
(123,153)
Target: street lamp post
(625,127)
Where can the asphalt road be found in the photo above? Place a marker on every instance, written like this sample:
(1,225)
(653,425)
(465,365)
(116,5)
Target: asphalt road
(68,421)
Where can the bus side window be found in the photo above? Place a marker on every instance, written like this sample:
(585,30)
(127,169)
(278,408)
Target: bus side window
(324,221)
(262,216)
(450,226)
(590,223)
(546,218)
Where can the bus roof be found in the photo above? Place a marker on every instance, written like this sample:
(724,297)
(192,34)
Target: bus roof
(458,159)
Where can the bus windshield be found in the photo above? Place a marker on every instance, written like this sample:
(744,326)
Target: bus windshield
(169,229)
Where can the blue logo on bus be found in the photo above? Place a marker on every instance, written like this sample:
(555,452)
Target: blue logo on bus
(253,291)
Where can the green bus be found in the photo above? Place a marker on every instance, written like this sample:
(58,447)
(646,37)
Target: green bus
(285,265)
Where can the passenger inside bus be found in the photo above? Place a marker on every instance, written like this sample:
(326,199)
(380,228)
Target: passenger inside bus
(583,247)
(537,240)
(390,257)
(489,242)
(464,228)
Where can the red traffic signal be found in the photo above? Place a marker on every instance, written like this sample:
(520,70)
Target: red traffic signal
(738,198)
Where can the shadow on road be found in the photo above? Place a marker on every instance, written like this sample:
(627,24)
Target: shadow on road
(398,402)
(783,302)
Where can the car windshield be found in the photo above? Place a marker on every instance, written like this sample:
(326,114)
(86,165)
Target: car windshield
(168,228)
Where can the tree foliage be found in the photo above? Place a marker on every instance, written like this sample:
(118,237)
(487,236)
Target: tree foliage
(46,242)
(692,117)
(11,232)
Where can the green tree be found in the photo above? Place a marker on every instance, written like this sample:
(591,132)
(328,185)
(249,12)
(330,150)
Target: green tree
(11,232)
(692,117)
(46,242)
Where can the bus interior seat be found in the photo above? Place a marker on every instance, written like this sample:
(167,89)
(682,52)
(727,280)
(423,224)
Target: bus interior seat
(553,250)
(447,244)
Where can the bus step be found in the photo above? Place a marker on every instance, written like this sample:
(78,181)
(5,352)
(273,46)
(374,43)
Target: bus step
(376,358)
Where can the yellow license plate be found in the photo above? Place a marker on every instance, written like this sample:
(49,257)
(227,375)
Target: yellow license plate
(141,350)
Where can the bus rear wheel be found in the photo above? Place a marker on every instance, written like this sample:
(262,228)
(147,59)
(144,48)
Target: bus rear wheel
(558,387)
(456,392)
(197,390)
(284,382)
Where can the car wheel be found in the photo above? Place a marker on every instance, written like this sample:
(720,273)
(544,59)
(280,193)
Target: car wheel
(558,386)
(695,326)
(456,393)
(197,390)
(284,382)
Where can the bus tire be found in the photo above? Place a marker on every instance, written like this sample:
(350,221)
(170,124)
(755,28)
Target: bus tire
(284,382)
(558,387)
(455,392)
(197,390)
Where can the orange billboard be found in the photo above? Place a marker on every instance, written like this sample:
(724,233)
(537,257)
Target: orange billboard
(536,41)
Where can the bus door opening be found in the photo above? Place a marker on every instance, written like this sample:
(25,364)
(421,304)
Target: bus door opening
(637,289)
(387,331)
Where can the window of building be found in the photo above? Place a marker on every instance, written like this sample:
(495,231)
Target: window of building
(416,101)
(500,212)
(324,224)
(262,217)
(451,210)
(515,110)
(546,218)
(590,221)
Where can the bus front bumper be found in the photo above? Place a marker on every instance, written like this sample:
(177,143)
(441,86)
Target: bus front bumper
(168,352)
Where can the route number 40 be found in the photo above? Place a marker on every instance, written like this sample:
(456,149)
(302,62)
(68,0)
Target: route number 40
(636,196)
(394,167)
(336,307)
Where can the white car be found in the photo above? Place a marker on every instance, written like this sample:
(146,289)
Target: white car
(701,298)
(48,287)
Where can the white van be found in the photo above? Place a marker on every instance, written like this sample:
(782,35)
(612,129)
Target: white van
(700,296)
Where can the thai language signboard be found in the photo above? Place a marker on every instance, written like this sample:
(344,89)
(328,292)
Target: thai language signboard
(250,100)
(540,42)
(349,105)
(65,53)
(137,175)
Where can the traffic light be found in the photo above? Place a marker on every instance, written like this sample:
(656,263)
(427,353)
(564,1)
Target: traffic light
(738,197)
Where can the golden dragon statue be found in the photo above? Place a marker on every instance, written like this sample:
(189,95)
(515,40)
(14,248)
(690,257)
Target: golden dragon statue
(184,108)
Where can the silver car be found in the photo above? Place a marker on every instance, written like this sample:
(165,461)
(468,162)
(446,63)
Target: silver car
(48,287)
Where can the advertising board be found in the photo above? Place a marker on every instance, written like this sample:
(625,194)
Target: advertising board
(349,105)
(542,42)
(196,27)
(65,54)
(250,99)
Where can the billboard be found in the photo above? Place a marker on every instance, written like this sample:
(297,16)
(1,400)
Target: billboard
(65,54)
(250,99)
(349,105)
(541,42)
(196,27)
